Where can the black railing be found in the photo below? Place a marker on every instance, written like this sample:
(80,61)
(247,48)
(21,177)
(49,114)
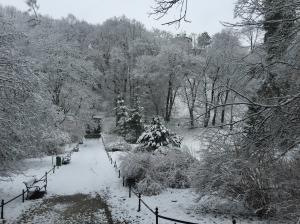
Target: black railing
(43,178)
(139,196)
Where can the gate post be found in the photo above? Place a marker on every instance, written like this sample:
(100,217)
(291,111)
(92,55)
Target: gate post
(46,180)
(156,215)
(130,191)
(2,209)
(23,195)
(139,208)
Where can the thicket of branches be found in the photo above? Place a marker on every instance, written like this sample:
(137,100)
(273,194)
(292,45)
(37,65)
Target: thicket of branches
(258,160)
(47,92)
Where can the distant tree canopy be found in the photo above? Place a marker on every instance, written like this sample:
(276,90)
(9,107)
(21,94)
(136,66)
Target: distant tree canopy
(74,69)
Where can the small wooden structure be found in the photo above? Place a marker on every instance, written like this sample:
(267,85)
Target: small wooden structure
(94,131)
(36,188)
(66,159)
(76,148)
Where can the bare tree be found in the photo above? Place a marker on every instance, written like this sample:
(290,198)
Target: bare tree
(162,8)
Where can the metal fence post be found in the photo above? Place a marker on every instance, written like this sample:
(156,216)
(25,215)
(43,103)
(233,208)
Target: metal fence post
(46,179)
(54,169)
(233,220)
(2,209)
(23,195)
(156,215)
(139,208)
(129,191)
(119,173)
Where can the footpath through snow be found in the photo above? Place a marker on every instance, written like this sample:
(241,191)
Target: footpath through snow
(87,178)
(88,173)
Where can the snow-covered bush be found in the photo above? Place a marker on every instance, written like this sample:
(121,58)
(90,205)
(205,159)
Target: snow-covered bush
(218,205)
(157,135)
(135,166)
(130,137)
(229,172)
(149,186)
(118,146)
(155,171)
(115,143)
(174,167)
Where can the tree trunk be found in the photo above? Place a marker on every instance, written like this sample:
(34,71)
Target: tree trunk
(192,122)
(231,114)
(224,107)
(212,101)
(207,109)
(213,122)
(231,118)
(168,102)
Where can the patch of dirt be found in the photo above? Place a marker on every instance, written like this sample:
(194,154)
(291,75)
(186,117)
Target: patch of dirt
(73,209)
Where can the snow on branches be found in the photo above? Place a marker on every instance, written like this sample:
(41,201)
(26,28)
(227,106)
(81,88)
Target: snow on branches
(129,122)
(157,135)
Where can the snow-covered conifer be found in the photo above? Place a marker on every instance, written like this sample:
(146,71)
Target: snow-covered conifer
(157,135)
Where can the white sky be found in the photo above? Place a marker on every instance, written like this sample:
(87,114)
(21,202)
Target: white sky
(205,15)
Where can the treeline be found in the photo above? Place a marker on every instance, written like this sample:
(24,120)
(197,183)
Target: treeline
(55,74)
(49,88)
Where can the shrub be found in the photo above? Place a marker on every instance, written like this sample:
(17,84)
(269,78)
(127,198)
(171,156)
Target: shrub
(115,143)
(229,171)
(135,166)
(118,146)
(157,135)
(148,186)
(218,205)
(131,137)
(155,171)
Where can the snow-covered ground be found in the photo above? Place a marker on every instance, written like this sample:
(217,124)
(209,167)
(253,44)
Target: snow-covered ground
(90,172)
(193,139)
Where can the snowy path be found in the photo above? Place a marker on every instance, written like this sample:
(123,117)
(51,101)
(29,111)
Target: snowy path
(76,191)
(88,172)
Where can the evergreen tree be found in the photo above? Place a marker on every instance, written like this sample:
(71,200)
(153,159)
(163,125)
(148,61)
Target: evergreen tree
(135,122)
(203,40)
(157,135)
(121,115)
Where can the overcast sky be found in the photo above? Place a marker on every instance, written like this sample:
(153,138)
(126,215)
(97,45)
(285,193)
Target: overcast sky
(205,15)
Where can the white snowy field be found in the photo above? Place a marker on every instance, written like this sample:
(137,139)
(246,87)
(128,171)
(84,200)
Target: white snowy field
(90,172)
